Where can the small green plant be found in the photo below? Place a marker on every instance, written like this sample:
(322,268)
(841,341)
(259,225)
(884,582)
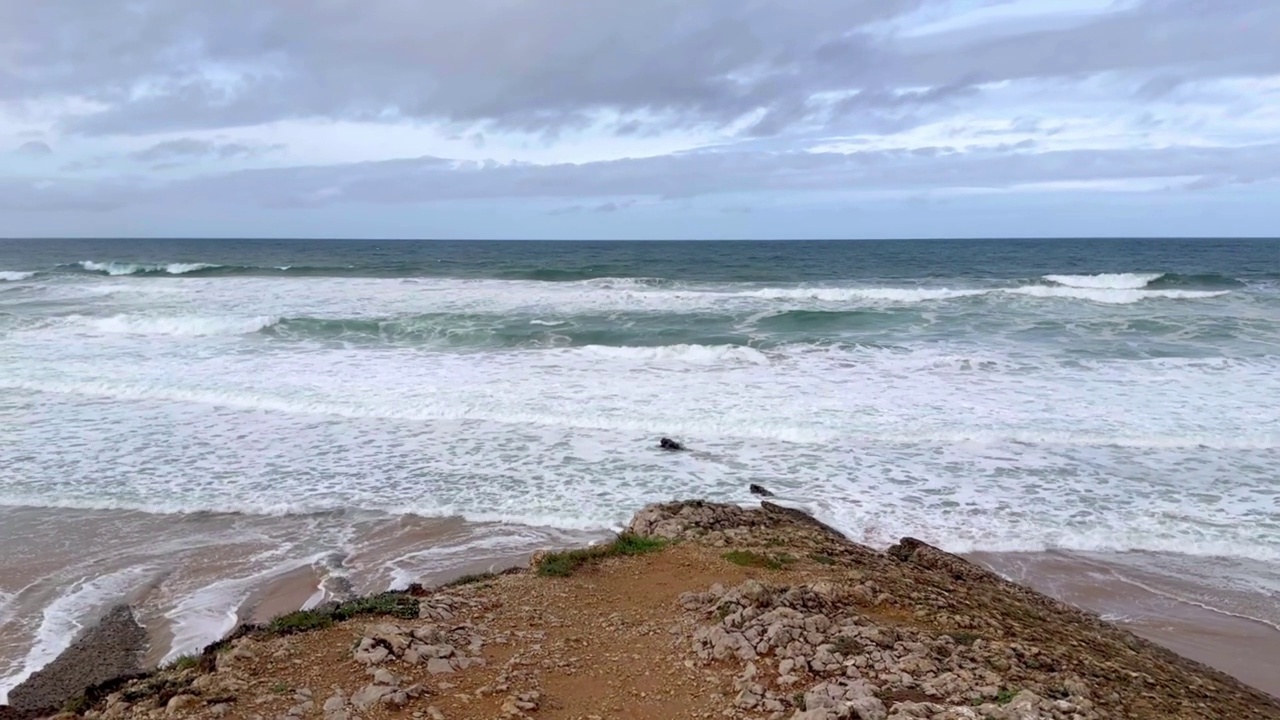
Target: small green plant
(1006,696)
(798,701)
(184,662)
(724,611)
(280,688)
(747,558)
(77,705)
(564,564)
(299,621)
(470,579)
(822,559)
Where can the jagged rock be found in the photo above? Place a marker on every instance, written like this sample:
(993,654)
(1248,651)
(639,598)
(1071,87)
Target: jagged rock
(439,666)
(1024,706)
(336,702)
(241,650)
(369,652)
(382,676)
(178,703)
(371,695)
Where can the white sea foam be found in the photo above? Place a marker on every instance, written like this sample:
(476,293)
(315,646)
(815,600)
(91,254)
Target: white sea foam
(121,268)
(66,616)
(873,294)
(1106,281)
(188,326)
(210,612)
(1114,296)
(686,354)
(15,275)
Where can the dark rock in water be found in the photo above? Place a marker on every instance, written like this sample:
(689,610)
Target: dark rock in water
(111,648)
(760,490)
(669,444)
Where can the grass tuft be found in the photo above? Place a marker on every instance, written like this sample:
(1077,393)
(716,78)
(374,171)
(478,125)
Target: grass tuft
(470,579)
(564,564)
(747,558)
(822,559)
(1006,696)
(298,621)
(184,662)
(396,604)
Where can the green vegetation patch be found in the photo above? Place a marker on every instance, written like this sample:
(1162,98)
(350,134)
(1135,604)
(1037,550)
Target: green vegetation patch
(564,564)
(184,662)
(395,604)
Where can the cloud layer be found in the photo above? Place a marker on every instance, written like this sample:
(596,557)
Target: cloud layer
(612,107)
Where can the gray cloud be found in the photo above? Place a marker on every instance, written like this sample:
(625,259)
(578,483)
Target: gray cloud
(546,67)
(672,177)
(34,148)
(171,151)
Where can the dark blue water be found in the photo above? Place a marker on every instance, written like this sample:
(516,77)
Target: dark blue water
(789,261)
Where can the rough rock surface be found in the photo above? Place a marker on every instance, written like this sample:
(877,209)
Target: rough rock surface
(752,614)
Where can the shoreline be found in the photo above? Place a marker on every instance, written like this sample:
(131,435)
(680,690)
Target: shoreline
(793,530)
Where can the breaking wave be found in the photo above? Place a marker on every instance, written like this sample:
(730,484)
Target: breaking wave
(1106,281)
(122,268)
(15,275)
(1138,281)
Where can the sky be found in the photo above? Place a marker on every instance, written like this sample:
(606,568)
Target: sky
(626,119)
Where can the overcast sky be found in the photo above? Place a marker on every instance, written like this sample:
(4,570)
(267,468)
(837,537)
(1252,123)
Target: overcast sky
(639,118)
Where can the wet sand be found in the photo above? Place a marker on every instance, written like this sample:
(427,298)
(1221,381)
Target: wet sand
(192,578)
(1149,606)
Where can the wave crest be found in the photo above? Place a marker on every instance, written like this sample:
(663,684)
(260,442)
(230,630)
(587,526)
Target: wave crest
(1113,296)
(15,275)
(121,268)
(1106,281)
(182,326)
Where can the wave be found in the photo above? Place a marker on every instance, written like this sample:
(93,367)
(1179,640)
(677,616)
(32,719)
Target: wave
(1106,281)
(15,275)
(181,326)
(1150,281)
(123,268)
(1112,296)
(886,294)
(1205,280)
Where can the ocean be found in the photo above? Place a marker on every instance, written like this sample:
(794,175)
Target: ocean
(214,428)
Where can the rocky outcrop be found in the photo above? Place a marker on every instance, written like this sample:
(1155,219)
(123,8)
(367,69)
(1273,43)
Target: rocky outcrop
(749,614)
